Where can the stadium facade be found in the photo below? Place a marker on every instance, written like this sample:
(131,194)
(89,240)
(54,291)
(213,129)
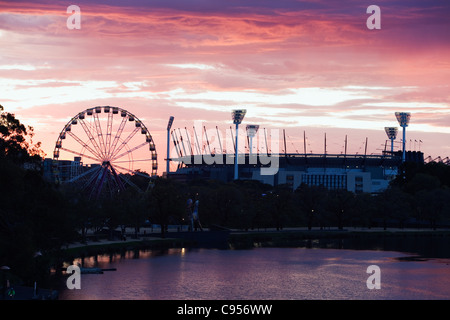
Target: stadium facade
(355,173)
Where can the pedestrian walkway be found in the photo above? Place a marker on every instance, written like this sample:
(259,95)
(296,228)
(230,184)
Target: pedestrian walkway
(103,242)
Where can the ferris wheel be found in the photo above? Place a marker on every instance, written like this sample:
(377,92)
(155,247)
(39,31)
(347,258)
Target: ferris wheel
(105,150)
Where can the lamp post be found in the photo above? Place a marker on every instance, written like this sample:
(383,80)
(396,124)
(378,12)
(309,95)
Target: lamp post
(252,129)
(169,125)
(36,255)
(238,116)
(4,269)
(392,134)
(403,119)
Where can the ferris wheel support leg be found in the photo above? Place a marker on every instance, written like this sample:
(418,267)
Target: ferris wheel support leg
(102,180)
(117,179)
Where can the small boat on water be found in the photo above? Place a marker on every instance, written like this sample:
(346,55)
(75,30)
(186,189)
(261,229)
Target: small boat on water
(93,270)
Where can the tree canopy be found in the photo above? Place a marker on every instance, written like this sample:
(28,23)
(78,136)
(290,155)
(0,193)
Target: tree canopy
(33,215)
(16,142)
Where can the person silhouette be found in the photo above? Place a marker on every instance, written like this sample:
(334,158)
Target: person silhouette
(190,214)
(195,217)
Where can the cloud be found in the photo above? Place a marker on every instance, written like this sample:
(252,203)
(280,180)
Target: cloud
(292,63)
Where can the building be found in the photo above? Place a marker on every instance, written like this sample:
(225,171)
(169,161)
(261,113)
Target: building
(63,170)
(355,173)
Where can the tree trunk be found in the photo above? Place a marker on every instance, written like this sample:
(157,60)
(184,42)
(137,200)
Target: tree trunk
(163,230)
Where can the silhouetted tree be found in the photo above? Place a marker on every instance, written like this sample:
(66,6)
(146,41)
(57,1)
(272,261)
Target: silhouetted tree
(393,205)
(16,141)
(310,202)
(421,181)
(281,205)
(133,209)
(433,205)
(223,204)
(340,203)
(34,216)
(364,210)
(166,203)
(252,212)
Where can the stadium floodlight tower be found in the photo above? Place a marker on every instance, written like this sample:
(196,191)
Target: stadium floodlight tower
(238,116)
(169,125)
(403,119)
(392,134)
(252,129)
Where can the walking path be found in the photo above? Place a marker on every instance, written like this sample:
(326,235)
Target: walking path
(155,235)
(103,242)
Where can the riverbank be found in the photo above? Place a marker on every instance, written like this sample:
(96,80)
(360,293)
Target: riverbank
(303,233)
(420,240)
(427,244)
(90,248)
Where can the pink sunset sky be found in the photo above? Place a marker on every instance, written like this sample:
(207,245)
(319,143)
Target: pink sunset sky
(304,66)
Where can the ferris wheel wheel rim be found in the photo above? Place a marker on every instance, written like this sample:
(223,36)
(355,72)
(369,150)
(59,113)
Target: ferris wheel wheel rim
(115,110)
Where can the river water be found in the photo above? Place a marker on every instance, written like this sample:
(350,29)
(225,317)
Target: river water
(262,274)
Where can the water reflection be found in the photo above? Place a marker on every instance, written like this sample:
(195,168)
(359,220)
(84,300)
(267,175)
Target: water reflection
(262,273)
(105,260)
(425,246)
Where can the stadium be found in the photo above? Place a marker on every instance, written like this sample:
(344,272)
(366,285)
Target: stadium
(358,173)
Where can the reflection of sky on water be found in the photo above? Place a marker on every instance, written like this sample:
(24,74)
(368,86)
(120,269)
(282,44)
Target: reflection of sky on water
(265,273)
